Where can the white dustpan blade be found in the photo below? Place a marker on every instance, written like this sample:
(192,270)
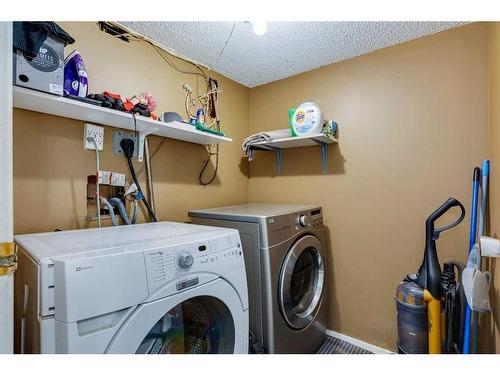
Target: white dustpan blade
(481,292)
(467,283)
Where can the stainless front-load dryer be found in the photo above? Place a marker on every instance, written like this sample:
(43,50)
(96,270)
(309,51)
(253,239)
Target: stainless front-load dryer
(285,249)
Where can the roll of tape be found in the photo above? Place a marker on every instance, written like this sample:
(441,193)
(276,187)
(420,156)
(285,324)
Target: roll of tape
(490,247)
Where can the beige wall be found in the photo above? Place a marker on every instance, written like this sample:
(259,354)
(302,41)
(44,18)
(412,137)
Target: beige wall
(413,123)
(51,167)
(492,326)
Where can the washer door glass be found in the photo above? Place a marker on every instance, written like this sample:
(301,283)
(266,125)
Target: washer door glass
(198,325)
(301,282)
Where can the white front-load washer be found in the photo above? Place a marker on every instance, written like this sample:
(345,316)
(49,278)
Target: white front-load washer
(147,288)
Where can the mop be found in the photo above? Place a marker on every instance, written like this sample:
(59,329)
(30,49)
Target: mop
(482,225)
(472,241)
(476,283)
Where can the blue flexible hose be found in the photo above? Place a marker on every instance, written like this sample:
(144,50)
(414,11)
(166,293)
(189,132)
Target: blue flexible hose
(472,241)
(121,208)
(136,209)
(111,212)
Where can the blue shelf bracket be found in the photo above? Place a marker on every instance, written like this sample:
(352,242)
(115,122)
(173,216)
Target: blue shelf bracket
(278,160)
(324,153)
(321,141)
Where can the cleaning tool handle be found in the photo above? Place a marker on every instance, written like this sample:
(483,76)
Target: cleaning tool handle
(472,240)
(477,174)
(450,203)
(486,168)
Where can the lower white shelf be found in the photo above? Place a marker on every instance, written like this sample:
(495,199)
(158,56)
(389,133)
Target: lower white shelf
(292,142)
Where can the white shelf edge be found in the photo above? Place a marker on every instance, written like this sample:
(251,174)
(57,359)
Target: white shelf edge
(305,141)
(36,101)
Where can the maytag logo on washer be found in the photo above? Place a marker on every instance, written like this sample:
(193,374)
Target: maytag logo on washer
(83,268)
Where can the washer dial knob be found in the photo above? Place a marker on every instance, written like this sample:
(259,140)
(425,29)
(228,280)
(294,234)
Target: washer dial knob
(185,261)
(302,220)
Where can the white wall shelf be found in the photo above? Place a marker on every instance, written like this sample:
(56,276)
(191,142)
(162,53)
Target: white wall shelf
(292,142)
(59,106)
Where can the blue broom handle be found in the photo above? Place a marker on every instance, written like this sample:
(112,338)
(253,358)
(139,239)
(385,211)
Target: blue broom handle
(481,232)
(472,241)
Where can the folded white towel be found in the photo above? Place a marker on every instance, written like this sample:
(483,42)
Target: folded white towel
(262,137)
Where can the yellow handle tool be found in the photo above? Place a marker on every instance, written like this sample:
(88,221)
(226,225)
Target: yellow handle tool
(434,319)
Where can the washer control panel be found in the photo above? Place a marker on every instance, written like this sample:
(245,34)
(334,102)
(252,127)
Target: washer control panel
(308,219)
(218,255)
(185,260)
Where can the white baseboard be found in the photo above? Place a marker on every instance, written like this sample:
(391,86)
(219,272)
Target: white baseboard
(359,343)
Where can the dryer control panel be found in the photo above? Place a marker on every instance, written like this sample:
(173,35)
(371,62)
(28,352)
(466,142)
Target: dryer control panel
(308,219)
(217,255)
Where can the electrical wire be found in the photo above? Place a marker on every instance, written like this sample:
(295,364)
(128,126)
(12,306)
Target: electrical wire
(204,101)
(163,55)
(200,177)
(151,212)
(134,177)
(98,195)
(131,36)
(227,41)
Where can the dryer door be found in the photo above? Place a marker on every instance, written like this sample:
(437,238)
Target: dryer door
(301,282)
(205,319)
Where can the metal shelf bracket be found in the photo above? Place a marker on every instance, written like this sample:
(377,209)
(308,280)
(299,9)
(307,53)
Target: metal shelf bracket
(324,155)
(278,160)
(142,137)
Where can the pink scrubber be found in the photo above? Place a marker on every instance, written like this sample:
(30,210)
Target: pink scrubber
(149,100)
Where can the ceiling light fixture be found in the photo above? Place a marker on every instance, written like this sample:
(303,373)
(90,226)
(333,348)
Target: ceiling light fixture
(259,27)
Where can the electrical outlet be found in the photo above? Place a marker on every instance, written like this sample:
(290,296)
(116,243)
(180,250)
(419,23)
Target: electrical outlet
(117,138)
(97,132)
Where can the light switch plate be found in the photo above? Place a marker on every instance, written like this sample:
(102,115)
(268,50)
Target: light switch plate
(97,132)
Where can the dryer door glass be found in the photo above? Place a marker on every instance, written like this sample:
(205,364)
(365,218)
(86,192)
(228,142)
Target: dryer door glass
(301,282)
(198,325)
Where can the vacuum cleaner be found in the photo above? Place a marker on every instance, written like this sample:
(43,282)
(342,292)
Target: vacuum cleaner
(423,325)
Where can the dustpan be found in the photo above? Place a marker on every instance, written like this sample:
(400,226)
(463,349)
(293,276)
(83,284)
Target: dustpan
(476,284)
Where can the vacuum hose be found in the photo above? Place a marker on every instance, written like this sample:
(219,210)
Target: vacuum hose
(455,304)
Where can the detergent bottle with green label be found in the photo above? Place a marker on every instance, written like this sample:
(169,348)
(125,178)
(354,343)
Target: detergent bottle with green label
(307,120)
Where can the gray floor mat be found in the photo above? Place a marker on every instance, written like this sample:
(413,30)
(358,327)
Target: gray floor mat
(333,345)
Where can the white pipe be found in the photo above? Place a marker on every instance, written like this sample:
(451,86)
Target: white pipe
(151,194)
(98,194)
(6,180)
